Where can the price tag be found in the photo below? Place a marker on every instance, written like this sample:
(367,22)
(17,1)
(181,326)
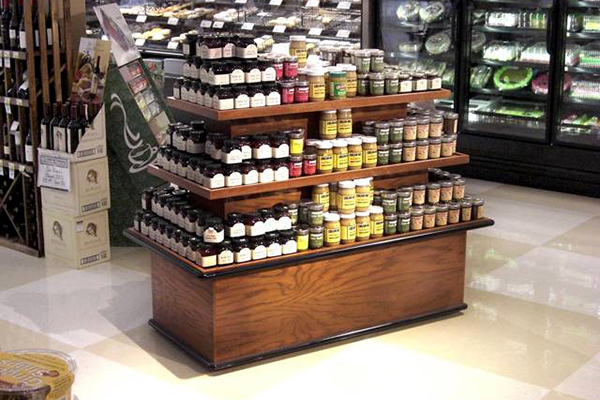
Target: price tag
(247,26)
(1,62)
(209,1)
(54,171)
(11,171)
(241,1)
(205,23)
(218,24)
(344,5)
(275,2)
(312,3)
(6,106)
(14,127)
(315,32)
(279,28)
(140,42)
(172,45)
(141,18)
(173,21)
(1,168)
(21,168)
(6,62)
(343,33)
(104,37)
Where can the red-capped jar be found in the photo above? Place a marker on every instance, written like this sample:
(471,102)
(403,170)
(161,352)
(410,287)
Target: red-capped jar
(287,92)
(278,65)
(290,67)
(301,93)
(295,166)
(309,164)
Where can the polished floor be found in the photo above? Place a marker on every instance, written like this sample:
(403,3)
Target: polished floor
(532,329)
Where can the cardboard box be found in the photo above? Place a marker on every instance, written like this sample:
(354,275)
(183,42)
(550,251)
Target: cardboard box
(78,242)
(90,190)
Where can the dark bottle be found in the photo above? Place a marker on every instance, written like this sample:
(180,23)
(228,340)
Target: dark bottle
(22,33)
(15,20)
(62,128)
(46,128)
(54,125)
(23,92)
(83,119)
(96,79)
(36,27)
(6,14)
(29,148)
(73,130)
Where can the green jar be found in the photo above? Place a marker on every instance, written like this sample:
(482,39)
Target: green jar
(377,60)
(403,222)
(362,60)
(376,84)
(383,154)
(315,214)
(404,200)
(337,85)
(390,224)
(396,131)
(388,202)
(395,153)
(391,82)
(362,83)
(382,132)
(315,238)
(303,211)
(377,197)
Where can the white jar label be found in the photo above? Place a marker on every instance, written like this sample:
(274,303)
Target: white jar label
(290,247)
(233,157)
(184,94)
(246,152)
(273,99)
(274,250)
(422,84)
(219,79)
(203,75)
(233,179)
(237,230)
(189,226)
(181,249)
(236,76)
(176,93)
(405,86)
(217,181)
(186,49)
(181,170)
(436,83)
(250,178)
(186,70)
(152,234)
(208,147)
(217,154)
(270,225)
(207,99)
(222,104)
(268,75)
(190,255)
(200,98)
(229,50)
(257,229)
(284,223)
(160,211)
(181,221)
(208,261)
(250,51)
(172,166)
(282,151)
(198,177)
(282,174)
(259,253)
(190,173)
(225,257)
(145,229)
(194,72)
(159,239)
(266,176)
(258,100)
(199,230)
(264,151)
(242,101)
(136,226)
(192,96)
(252,76)
(243,255)
(194,148)
(211,235)
(212,54)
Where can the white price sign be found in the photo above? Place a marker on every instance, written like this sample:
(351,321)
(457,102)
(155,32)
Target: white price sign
(312,3)
(218,24)
(343,33)
(247,26)
(275,2)
(11,171)
(315,32)
(241,1)
(19,102)
(173,21)
(279,28)
(6,62)
(140,42)
(1,168)
(141,18)
(344,5)
(54,171)
(172,45)
(205,23)
(209,1)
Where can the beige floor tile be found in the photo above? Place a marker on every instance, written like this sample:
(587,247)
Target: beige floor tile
(583,239)
(135,258)
(14,337)
(585,382)
(17,269)
(524,341)
(560,396)
(479,187)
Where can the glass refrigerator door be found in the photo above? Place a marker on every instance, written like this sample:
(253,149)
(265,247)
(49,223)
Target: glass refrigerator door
(579,107)
(419,36)
(509,68)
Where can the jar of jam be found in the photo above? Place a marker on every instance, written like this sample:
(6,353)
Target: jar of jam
(272,94)
(340,156)
(207,255)
(458,192)
(254,224)
(241,250)
(302,234)
(177,88)
(290,67)
(240,95)
(409,150)
(256,95)
(315,240)
(223,98)
(265,170)
(309,164)
(282,217)
(225,252)
(258,247)
(245,47)
(295,166)
(251,71)
(435,148)
(281,169)
(219,73)
(213,176)
(429,213)
(441,215)
(416,219)
(420,83)
(328,125)
(231,152)
(466,210)
(369,151)
(273,245)
(190,221)
(192,250)
(447,146)
(324,157)
(301,92)
(280,147)
(214,232)
(296,141)
(450,123)
(434,82)
(234,226)
(287,91)
(321,195)
(261,147)
(249,173)
(268,216)
(410,130)
(277,62)
(433,192)
(246,145)
(419,195)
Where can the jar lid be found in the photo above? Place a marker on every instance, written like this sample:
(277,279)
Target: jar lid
(326,185)
(395,145)
(363,213)
(403,193)
(337,74)
(376,75)
(423,120)
(442,207)
(376,210)
(407,188)
(301,83)
(391,74)
(311,142)
(436,119)
(424,142)
(331,217)
(287,84)
(316,229)
(435,141)
(397,122)
(339,143)
(333,186)
(377,52)
(411,143)
(315,72)
(453,206)
(363,76)
(361,182)
(362,53)
(310,156)
(316,207)
(348,67)
(383,147)
(382,124)
(329,112)
(388,194)
(447,139)
(324,145)
(302,229)
(354,141)
(291,59)
(369,139)
(391,216)
(433,185)
(348,216)
(416,211)
(298,38)
(410,121)
(347,185)
(466,203)
(450,115)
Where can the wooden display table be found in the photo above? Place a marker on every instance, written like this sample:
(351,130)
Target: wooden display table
(230,315)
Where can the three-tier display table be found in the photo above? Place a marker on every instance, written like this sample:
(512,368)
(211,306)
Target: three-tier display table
(239,313)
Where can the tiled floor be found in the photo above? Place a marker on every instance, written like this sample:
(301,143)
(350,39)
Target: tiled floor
(532,329)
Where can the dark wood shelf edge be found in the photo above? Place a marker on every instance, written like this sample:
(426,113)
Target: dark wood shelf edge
(306,346)
(304,181)
(287,109)
(301,257)
(9,244)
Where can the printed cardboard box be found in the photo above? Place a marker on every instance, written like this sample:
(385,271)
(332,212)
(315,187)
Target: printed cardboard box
(78,242)
(90,190)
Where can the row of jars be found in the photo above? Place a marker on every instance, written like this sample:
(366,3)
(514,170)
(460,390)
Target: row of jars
(220,46)
(409,128)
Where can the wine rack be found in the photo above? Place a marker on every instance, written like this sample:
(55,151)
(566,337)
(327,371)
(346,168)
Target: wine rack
(36,68)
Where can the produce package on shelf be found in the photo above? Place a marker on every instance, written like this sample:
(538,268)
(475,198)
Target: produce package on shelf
(439,43)
(540,84)
(411,47)
(478,41)
(502,51)
(591,23)
(589,56)
(574,22)
(535,53)
(581,119)
(512,78)
(427,12)
(480,76)
(152,32)
(516,19)
(585,87)
(572,54)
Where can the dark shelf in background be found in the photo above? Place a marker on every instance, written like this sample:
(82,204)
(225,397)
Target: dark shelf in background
(493,63)
(512,94)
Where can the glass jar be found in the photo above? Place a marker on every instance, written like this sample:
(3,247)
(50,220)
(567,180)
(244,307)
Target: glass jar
(447,146)
(453,213)
(344,123)
(362,60)
(231,152)
(324,157)
(272,95)
(241,250)
(288,89)
(206,256)
(254,224)
(362,85)
(404,222)
(376,221)
(435,146)
(377,60)
(351,80)
(316,237)
(363,226)
(301,92)
(234,225)
(290,67)
(420,83)
(433,192)
(382,132)
(363,194)
(316,85)
(405,83)
(466,210)
(256,95)
(390,224)
(416,219)
(251,71)
(376,84)
(296,141)
(177,88)
(395,153)
(297,49)
(446,189)
(458,192)
(396,131)
(450,123)
(332,229)
(280,147)
(388,201)
(321,195)
(409,150)
(419,193)
(261,147)
(423,128)
(295,166)
(213,176)
(436,125)
(383,154)
(273,245)
(309,164)
(303,211)
(410,130)
(369,150)
(404,198)
(392,82)
(249,173)
(337,85)
(225,253)
(377,198)
(355,155)
(310,146)
(347,228)
(340,156)
(423,149)
(268,216)
(267,71)
(346,197)
(315,214)
(441,215)
(287,239)
(302,233)
(328,125)
(429,215)
(258,248)
(434,82)
(214,232)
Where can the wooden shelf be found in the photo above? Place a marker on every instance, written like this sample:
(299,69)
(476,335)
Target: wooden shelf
(302,108)
(300,257)
(14,101)
(4,163)
(303,181)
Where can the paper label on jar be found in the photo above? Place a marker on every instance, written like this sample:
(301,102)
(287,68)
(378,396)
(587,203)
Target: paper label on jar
(211,235)
(250,178)
(270,225)
(181,170)
(243,255)
(376,227)
(348,232)
(159,238)
(344,126)
(198,177)
(325,162)
(152,233)
(189,226)
(181,249)
(222,104)
(422,152)
(180,221)
(302,242)
(282,174)
(273,99)
(237,230)
(218,181)
(268,75)
(172,166)
(192,96)
(194,72)
(208,261)
(190,254)
(184,94)
(332,235)
(145,228)
(250,51)
(186,70)
(264,151)
(219,79)
(177,93)
(233,179)
(136,226)
(281,151)
(194,148)
(225,257)
(259,253)
(246,152)
(207,99)
(252,76)
(199,230)
(236,76)
(203,74)
(233,157)
(317,91)
(190,173)
(199,98)
(284,223)
(266,176)
(405,86)
(274,250)
(228,50)
(421,84)
(290,247)
(242,101)
(212,54)
(256,229)
(258,100)
(435,84)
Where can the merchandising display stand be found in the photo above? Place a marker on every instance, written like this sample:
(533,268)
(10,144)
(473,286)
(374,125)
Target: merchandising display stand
(230,315)
(51,63)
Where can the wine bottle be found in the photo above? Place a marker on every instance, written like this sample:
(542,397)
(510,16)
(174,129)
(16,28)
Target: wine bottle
(5,141)
(15,20)
(73,129)
(36,27)
(29,148)
(83,121)
(49,37)
(54,126)
(23,92)
(46,128)
(95,79)
(22,33)
(6,15)
(62,128)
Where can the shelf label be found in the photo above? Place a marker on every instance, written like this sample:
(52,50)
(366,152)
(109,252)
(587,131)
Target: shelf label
(241,1)
(315,31)
(140,42)
(1,168)
(275,2)
(19,102)
(218,24)
(344,5)
(343,33)
(1,62)
(6,62)
(312,3)
(247,26)
(209,1)
(141,18)
(7,105)
(205,23)
(22,168)
(11,171)
(279,28)
(54,171)
(172,45)
(173,21)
